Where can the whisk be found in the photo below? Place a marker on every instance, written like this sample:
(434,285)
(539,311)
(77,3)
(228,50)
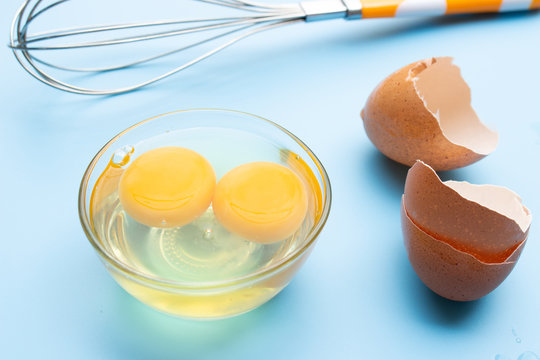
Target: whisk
(28,47)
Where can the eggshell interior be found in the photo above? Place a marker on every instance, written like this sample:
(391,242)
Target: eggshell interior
(447,271)
(487,222)
(423,111)
(451,105)
(497,198)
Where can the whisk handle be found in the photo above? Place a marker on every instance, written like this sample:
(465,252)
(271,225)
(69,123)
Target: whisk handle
(361,9)
(395,8)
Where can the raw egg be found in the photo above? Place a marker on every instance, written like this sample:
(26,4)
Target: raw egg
(261,201)
(423,111)
(462,239)
(167,187)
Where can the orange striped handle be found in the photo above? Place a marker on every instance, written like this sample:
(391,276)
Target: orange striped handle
(392,8)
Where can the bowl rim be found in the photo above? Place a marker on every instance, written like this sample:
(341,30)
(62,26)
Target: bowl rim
(201,285)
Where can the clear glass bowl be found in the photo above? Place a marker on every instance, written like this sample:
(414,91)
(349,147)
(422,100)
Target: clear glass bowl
(260,139)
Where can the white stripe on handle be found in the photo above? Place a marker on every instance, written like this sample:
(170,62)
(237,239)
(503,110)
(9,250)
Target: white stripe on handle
(513,5)
(422,8)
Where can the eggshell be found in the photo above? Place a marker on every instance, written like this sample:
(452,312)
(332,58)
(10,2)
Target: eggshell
(462,239)
(490,234)
(423,111)
(450,273)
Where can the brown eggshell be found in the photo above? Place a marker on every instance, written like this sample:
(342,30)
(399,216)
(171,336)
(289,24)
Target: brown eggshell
(451,273)
(490,228)
(423,111)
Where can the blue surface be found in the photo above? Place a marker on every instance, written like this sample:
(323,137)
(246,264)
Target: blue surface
(357,296)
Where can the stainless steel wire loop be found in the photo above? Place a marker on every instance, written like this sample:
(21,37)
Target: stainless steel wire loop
(28,47)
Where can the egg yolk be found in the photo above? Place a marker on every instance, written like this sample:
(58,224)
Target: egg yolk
(261,201)
(167,187)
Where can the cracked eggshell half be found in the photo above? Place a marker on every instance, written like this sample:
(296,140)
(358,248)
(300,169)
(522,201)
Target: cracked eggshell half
(462,239)
(423,111)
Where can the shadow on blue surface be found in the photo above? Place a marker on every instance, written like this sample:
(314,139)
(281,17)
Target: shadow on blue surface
(389,173)
(392,175)
(446,312)
(154,335)
(430,307)
(142,333)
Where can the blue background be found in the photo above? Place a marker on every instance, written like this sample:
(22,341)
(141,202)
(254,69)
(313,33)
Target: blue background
(357,296)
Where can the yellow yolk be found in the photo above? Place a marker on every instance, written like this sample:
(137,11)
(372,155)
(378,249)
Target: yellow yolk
(167,187)
(261,201)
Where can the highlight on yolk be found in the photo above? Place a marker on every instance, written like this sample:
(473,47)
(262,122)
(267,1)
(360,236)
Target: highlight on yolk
(167,187)
(261,201)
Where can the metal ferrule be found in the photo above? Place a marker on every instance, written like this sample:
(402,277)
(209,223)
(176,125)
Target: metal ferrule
(331,9)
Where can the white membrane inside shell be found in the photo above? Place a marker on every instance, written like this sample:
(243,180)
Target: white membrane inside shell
(446,95)
(496,198)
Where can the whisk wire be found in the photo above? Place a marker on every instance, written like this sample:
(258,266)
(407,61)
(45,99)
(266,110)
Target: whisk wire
(49,80)
(141,61)
(24,44)
(225,22)
(240,5)
(49,35)
(34,13)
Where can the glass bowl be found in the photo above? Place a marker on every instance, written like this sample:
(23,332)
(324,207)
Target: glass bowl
(194,280)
